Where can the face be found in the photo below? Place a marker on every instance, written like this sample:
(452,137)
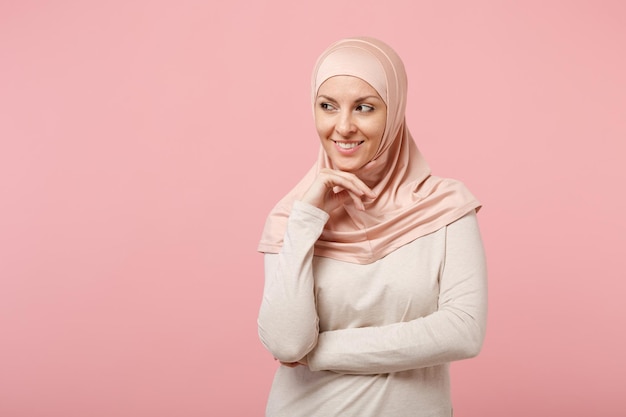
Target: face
(350,119)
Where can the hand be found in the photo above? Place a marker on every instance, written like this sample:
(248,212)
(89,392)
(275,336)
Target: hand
(292,364)
(301,362)
(322,193)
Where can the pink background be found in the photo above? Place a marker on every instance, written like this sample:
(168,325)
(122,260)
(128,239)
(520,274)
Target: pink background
(143,143)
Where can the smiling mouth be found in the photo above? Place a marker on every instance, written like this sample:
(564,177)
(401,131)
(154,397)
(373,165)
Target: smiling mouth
(348,145)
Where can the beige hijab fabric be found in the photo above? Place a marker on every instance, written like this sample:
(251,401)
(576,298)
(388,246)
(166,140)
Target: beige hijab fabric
(411,203)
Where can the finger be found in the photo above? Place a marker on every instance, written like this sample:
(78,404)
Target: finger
(350,182)
(366,191)
(357,202)
(344,195)
(360,189)
(353,189)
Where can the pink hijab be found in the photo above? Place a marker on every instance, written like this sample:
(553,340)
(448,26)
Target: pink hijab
(411,203)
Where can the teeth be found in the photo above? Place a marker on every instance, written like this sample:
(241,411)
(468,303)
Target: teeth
(348,145)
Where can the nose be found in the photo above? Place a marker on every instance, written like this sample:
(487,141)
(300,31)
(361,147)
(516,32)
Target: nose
(345,124)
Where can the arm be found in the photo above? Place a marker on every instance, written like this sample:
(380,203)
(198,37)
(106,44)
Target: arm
(288,321)
(455,331)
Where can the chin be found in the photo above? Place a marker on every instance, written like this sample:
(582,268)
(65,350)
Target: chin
(347,167)
(342,163)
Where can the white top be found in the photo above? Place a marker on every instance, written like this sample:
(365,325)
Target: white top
(377,338)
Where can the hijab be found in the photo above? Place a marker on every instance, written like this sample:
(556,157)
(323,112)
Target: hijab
(410,202)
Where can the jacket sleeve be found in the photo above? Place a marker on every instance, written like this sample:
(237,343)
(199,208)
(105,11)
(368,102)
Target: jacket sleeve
(288,321)
(455,331)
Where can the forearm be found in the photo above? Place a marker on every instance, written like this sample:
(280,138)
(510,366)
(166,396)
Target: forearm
(455,331)
(288,321)
(441,337)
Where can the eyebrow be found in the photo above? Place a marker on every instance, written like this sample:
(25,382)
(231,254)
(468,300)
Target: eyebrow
(323,96)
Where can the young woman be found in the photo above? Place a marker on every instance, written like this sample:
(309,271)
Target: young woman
(375,275)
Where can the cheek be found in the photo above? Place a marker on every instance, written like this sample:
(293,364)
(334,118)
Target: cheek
(323,127)
(375,130)
(380,128)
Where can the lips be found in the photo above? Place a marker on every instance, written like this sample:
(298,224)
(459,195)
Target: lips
(348,145)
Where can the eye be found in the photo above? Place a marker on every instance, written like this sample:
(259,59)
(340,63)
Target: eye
(364,108)
(326,106)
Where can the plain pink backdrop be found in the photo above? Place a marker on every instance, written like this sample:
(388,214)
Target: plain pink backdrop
(143,143)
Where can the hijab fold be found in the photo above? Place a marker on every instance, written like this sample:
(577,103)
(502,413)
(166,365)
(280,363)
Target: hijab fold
(411,202)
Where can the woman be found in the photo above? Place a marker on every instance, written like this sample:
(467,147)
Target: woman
(374,269)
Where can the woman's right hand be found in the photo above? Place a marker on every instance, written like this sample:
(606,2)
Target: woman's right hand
(321,193)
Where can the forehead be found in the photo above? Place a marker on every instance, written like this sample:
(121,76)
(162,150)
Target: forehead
(347,86)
